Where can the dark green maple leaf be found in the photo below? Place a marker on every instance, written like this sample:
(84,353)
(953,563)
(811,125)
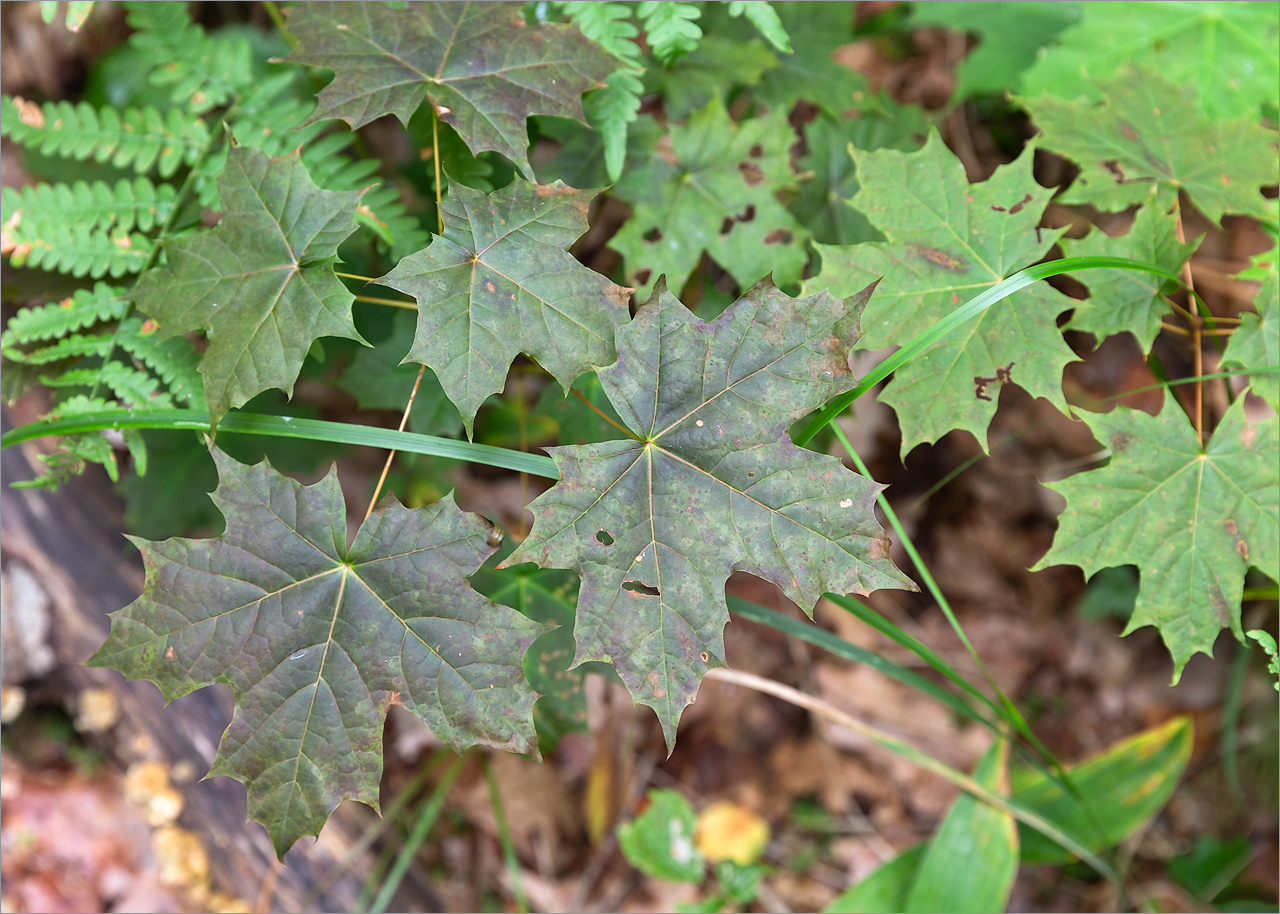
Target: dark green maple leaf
(1009,37)
(483,68)
(318,639)
(379,379)
(500,281)
(1192,518)
(1256,343)
(1126,301)
(655,526)
(719,196)
(1147,132)
(948,240)
(1224,52)
(261,284)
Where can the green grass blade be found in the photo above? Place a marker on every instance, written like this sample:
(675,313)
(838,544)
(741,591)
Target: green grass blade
(426,819)
(288,427)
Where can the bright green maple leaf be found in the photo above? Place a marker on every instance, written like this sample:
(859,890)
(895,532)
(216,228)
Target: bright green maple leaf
(1256,343)
(822,204)
(318,639)
(261,284)
(500,281)
(1010,35)
(1225,53)
(655,526)
(719,196)
(948,240)
(1148,132)
(1126,301)
(483,68)
(1193,519)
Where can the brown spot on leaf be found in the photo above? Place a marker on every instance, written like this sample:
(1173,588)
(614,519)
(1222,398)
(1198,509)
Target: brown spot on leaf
(1231,527)
(170,654)
(939,258)
(1243,548)
(654,234)
(756,151)
(490,287)
(778,236)
(1119,441)
(394,699)
(879,548)
(726,226)
(751,173)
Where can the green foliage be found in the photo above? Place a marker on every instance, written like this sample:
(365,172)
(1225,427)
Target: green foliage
(1192,518)
(500,281)
(670,27)
(336,630)
(1268,645)
(947,240)
(268,267)
(389,61)
(1010,37)
(759,154)
(708,444)
(660,840)
(719,196)
(1224,52)
(136,138)
(1147,132)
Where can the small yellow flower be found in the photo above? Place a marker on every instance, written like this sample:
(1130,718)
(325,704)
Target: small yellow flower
(727,831)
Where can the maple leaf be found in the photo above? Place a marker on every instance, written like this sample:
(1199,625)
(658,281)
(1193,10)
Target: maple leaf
(947,241)
(500,281)
(655,526)
(1010,37)
(1126,301)
(717,196)
(1192,518)
(483,68)
(261,284)
(823,201)
(1256,343)
(1225,52)
(318,639)
(1147,132)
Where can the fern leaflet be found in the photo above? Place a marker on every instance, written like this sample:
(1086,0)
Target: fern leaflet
(671,28)
(173,359)
(128,205)
(84,308)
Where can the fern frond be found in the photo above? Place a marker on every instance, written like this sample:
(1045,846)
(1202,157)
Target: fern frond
(764,17)
(202,71)
(137,138)
(74,346)
(84,308)
(131,387)
(610,110)
(671,28)
(608,25)
(129,204)
(76,249)
(174,359)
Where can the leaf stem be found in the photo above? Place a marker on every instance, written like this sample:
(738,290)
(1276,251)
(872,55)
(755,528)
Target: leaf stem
(1197,353)
(404,418)
(393,302)
(602,414)
(910,753)
(354,276)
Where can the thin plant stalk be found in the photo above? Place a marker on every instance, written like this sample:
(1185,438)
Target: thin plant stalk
(509,857)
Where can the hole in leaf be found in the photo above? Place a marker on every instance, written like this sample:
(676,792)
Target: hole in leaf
(642,276)
(654,234)
(726,226)
(756,151)
(641,588)
(778,236)
(603,538)
(751,173)
(751,474)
